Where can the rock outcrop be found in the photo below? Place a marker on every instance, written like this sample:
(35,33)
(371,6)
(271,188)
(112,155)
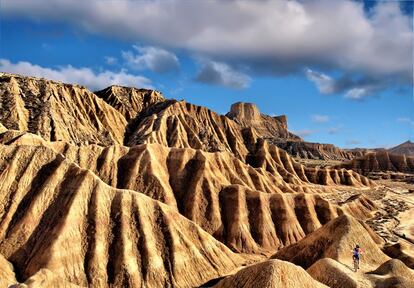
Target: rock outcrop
(309,150)
(248,115)
(129,101)
(58,111)
(57,216)
(380,161)
(271,274)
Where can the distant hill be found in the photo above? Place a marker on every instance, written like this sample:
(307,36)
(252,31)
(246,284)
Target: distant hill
(406,148)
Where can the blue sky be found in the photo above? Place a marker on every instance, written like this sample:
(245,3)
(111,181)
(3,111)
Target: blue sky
(341,77)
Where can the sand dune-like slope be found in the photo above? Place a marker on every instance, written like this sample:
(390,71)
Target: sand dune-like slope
(57,216)
(336,240)
(270,274)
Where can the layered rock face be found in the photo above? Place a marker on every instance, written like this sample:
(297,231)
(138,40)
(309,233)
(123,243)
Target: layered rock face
(58,111)
(308,150)
(275,130)
(380,161)
(248,115)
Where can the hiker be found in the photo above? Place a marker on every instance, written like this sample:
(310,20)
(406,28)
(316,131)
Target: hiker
(356,256)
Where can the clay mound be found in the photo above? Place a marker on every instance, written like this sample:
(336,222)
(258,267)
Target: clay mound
(336,240)
(57,216)
(309,150)
(248,115)
(58,111)
(391,274)
(406,148)
(270,274)
(359,206)
(394,267)
(380,161)
(129,101)
(401,251)
(337,275)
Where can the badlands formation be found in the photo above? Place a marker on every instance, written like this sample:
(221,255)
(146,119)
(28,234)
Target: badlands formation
(124,188)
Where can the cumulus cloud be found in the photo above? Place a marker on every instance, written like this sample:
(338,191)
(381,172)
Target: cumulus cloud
(152,58)
(69,74)
(271,37)
(320,118)
(324,83)
(217,73)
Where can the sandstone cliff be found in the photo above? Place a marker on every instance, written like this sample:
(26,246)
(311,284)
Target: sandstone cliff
(380,161)
(248,115)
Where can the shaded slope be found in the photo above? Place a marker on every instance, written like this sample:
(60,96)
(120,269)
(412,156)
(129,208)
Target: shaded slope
(59,217)
(129,101)
(270,274)
(58,111)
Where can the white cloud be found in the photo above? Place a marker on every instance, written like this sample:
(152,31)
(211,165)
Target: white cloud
(69,74)
(111,60)
(320,118)
(270,36)
(152,58)
(334,130)
(304,133)
(217,73)
(406,120)
(324,83)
